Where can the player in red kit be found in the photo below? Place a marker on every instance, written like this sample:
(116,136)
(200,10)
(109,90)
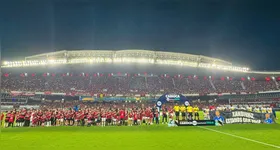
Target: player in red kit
(21,117)
(151,117)
(122,116)
(48,118)
(135,118)
(89,119)
(11,119)
(27,119)
(109,118)
(103,118)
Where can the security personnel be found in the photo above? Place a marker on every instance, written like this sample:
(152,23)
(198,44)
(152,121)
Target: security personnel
(190,112)
(183,111)
(177,109)
(196,114)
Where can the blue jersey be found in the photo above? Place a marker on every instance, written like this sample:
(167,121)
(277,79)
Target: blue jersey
(220,118)
(268,121)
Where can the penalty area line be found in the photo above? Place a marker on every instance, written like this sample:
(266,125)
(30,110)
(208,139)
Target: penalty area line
(239,137)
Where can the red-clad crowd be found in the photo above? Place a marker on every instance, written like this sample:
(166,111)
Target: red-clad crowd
(85,116)
(135,84)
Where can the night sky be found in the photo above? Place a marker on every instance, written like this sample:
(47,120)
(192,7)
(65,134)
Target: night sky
(246,32)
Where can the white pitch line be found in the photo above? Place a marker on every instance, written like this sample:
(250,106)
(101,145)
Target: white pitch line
(240,137)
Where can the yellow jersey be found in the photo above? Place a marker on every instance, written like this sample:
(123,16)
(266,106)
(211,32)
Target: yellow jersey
(183,109)
(190,109)
(176,108)
(195,109)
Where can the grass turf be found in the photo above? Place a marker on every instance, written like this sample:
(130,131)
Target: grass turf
(140,137)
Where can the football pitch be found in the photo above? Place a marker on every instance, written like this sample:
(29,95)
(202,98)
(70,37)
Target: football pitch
(154,137)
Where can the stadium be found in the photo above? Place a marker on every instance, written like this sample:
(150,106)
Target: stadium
(85,90)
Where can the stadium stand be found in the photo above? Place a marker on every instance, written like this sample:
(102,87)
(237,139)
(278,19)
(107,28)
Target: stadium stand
(131,84)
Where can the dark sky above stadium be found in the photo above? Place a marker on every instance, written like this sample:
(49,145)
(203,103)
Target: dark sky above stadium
(246,32)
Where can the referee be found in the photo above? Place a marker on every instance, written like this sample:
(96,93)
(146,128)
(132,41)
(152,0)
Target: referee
(190,112)
(177,109)
(183,111)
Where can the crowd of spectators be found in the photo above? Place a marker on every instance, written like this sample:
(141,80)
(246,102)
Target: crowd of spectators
(134,84)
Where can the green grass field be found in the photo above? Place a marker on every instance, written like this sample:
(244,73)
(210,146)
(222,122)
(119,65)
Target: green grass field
(142,137)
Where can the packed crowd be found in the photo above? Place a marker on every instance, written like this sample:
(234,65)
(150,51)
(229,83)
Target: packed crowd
(134,84)
(114,114)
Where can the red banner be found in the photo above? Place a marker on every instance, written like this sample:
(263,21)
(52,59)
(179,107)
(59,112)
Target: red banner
(16,93)
(48,93)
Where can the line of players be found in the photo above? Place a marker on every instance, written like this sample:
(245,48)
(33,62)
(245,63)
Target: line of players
(86,117)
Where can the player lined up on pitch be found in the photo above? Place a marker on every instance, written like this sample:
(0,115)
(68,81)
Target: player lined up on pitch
(114,115)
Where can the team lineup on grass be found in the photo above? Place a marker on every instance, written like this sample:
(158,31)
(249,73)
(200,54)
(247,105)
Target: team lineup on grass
(119,115)
(101,116)
(232,136)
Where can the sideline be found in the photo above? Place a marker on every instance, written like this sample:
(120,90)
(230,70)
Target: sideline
(240,137)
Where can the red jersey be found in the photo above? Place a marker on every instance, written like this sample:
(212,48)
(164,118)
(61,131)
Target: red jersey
(170,110)
(109,115)
(82,116)
(115,115)
(103,115)
(89,116)
(151,115)
(43,118)
(147,113)
(135,116)
(48,115)
(27,116)
(126,117)
(122,114)
(130,115)
(11,118)
(58,116)
(142,115)
(22,115)
(40,114)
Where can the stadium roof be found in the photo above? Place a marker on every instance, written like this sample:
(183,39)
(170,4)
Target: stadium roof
(125,57)
(128,53)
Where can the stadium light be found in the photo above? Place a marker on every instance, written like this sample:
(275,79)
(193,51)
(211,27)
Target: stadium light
(273,78)
(5,63)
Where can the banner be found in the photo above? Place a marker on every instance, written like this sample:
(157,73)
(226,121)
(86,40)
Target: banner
(86,98)
(242,116)
(16,93)
(196,123)
(28,93)
(176,98)
(47,92)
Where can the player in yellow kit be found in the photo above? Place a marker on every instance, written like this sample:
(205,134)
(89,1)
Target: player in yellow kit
(196,114)
(183,111)
(190,112)
(177,109)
